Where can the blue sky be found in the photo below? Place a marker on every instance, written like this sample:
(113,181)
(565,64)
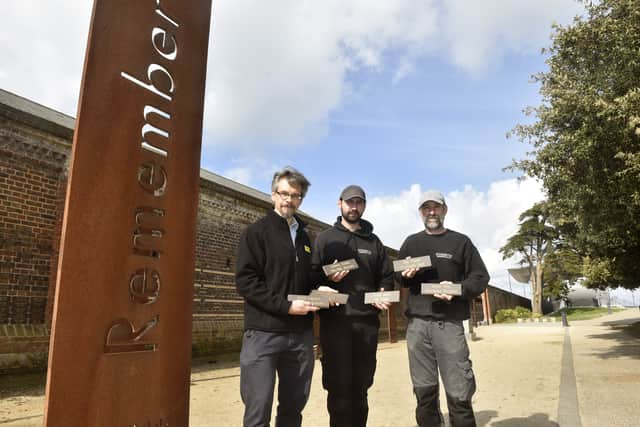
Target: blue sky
(398,96)
(438,127)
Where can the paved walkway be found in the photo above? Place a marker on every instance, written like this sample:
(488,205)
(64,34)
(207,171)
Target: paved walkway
(537,375)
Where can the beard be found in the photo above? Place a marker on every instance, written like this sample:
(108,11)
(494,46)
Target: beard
(352,217)
(286,212)
(433,222)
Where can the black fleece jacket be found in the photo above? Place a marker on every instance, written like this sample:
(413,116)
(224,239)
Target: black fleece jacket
(374,272)
(270,267)
(453,258)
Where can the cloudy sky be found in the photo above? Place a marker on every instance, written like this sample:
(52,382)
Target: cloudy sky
(399,96)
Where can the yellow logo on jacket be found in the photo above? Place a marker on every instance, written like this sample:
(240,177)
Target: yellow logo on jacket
(307,249)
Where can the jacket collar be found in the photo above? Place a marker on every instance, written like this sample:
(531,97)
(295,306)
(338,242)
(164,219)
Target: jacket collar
(274,218)
(366,228)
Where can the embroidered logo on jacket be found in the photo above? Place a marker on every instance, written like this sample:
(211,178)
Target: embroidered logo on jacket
(364,251)
(307,249)
(443,255)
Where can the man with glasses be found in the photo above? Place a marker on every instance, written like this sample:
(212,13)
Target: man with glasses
(435,333)
(274,260)
(349,333)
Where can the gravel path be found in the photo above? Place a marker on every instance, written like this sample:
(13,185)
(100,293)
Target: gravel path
(518,370)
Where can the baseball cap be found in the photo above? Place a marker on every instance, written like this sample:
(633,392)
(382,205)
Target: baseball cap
(433,196)
(351,192)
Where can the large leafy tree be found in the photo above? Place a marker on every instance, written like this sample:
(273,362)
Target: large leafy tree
(586,139)
(532,243)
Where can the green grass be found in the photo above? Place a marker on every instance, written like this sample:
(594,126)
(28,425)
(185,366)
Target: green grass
(585,313)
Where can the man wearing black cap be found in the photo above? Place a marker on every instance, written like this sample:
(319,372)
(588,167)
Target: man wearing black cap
(435,334)
(349,333)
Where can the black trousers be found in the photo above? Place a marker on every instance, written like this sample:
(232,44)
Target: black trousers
(349,345)
(290,355)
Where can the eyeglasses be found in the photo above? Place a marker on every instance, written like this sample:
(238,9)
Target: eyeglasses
(293,196)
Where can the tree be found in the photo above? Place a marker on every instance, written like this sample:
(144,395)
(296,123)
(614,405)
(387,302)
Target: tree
(532,243)
(562,268)
(586,139)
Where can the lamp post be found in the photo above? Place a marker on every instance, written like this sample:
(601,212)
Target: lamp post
(563,313)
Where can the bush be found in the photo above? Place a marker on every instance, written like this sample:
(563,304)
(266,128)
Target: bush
(512,314)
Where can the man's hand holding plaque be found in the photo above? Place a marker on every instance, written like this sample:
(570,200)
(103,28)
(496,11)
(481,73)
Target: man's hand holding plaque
(331,295)
(300,305)
(339,269)
(445,290)
(410,266)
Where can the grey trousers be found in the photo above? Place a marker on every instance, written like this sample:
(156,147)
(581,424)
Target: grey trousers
(264,354)
(440,346)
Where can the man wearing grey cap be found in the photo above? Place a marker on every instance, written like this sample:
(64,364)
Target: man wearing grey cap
(435,334)
(349,333)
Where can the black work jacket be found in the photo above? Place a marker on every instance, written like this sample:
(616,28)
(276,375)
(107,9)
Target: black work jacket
(374,267)
(454,258)
(270,267)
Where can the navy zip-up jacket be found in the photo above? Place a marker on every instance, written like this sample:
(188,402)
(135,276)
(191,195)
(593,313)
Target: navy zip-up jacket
(269,268)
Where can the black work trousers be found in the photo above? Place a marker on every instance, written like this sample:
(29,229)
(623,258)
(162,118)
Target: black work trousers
(290,355)
(440,346)
(349,345)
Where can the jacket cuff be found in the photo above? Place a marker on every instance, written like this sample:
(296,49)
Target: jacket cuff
(284,307)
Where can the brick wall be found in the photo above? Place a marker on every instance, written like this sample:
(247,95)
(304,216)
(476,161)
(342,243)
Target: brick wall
(35,145)
(31,166)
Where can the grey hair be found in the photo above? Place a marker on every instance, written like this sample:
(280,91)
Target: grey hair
(294,177)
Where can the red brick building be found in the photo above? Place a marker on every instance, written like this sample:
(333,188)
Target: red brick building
(35,145)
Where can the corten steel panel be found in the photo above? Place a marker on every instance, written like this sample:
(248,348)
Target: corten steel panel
(136,372)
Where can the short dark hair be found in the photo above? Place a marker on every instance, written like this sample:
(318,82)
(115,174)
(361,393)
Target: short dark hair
(293,177)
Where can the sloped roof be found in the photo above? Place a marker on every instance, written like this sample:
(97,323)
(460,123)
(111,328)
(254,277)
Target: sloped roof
(46,119)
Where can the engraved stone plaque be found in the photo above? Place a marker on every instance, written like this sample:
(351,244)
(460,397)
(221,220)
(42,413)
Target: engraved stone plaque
(407,263)
(336,267)
(332,297)
(317,300)
(383,296)
(120,348)
(441,288)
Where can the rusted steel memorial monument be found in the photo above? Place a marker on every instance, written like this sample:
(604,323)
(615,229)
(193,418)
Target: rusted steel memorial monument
(121,339)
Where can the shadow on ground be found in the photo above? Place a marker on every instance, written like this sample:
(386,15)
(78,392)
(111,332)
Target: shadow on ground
(483,418)
(625,344)
(22,385)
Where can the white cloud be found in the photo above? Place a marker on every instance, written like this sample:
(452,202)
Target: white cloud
(488,218)
(248,170)
(479,33)
(42,49)
(277,72)
(278,69)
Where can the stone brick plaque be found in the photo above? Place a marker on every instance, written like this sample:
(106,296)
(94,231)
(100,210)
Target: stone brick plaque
(382,296)
(121,339)
(337,267)
(441,288)
(317,300)
(332,297)
(407,263)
